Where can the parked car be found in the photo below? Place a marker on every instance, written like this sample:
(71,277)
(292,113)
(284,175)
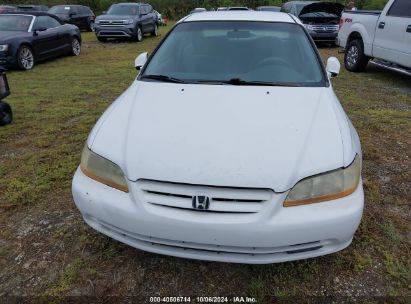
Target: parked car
(198,10)
(6,114)
(160,20)
(321,19)
(384,37)
(269,8)
(244,155)
(7,9)
(32,8)
(28,38)
(79,15)
(127,20)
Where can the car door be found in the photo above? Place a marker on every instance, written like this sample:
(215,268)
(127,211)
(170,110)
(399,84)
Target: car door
(83,16)
(392,40)
(46,36)
(145,19)
(75,16)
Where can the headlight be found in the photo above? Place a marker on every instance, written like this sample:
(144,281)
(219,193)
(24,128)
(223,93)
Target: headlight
(102,170)
(325,187)
(129,21)
(4,47)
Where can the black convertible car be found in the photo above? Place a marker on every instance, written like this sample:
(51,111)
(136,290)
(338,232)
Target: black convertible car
(28,38)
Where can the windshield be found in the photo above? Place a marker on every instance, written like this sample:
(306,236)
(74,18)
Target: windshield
(123,9)
(62,10)
(222,51)
(15,23)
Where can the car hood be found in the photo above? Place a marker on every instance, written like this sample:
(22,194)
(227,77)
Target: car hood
(328,7)
(116,17)
(260,137)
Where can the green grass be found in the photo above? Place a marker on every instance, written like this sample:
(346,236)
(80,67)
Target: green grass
(55,107)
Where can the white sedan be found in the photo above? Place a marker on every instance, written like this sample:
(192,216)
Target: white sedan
(229,146)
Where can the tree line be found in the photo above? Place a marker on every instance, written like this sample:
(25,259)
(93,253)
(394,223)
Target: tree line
(175,9)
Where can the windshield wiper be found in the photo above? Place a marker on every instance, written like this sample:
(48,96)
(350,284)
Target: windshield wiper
(163,78)
(240,82)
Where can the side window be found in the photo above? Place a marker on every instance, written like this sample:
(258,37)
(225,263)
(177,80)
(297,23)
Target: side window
(143,9)
(149,9)
(400,8)
(45,22)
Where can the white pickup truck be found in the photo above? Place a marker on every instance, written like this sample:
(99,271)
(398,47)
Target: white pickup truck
(382,37)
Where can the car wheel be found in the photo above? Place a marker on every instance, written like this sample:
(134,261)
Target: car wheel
(102,39)
(25,58)
(139,35)
(6,115)
(154,33)
(355,60)
(91,26)
(75,47)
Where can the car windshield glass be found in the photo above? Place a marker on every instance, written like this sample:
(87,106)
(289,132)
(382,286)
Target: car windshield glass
(120,9)
(60,10)
(238,52)
(15,23)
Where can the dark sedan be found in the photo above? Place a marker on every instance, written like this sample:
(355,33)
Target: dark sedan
(26,39)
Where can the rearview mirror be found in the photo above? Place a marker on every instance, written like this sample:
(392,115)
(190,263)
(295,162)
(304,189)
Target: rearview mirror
(141,61)
(333,67)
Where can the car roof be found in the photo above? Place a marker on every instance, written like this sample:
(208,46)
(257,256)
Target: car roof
(240,16)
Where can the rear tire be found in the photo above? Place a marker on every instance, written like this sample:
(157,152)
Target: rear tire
(91,26)
(154,33)
(355,60)
(6,115)
(25,58)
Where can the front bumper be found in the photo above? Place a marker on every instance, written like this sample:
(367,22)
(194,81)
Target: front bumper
(275,234)
(7,60)
(325,37)
(126,31)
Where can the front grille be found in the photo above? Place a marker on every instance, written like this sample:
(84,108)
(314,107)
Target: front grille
(324,28)
(222,199)
(111,23)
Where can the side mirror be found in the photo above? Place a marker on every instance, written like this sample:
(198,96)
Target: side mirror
(72,14)
(40,29)
(333,67)
(104,12)
(141,61)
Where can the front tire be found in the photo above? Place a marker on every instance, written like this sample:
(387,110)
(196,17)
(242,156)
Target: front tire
(75,47)
(6,115)
(139,34)
(25,58)
(355,60)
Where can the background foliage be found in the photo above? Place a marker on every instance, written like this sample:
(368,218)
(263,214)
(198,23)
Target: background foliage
(178,8)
